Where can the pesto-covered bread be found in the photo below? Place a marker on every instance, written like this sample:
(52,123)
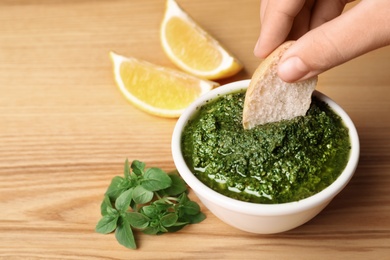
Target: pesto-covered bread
(270,99)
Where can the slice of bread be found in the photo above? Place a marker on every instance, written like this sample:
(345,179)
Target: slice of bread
(270,99)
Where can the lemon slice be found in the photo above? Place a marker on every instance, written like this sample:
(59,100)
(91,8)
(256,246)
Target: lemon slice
(155,89)
(192,49)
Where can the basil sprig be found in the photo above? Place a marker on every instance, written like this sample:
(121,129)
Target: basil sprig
(149,200)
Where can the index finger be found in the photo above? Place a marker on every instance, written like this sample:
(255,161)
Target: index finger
(277,18)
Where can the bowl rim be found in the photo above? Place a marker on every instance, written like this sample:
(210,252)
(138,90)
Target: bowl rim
(315,200)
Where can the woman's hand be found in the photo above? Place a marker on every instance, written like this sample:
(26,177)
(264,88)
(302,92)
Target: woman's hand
(325,36)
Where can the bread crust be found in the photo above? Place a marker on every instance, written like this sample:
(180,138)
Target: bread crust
(270,99)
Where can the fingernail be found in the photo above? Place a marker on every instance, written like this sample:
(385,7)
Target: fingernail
(293,69)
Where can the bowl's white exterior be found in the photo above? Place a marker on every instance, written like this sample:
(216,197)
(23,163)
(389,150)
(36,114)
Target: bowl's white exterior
(261,218)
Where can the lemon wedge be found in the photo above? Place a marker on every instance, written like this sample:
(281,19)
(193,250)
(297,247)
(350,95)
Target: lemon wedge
(192,49)
(155,89)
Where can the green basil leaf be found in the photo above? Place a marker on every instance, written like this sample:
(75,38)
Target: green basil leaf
(141,195)
(138,167)
(194,219)
(150,230)
(190,208)
(124,235)
(169,219)
(117,186)
(181,223)
(183,198)
(122,203)
(149,210)
(156,179)
(106,203)
(177,186)
(112,212)
(107,224)
(162,229)
(137,220)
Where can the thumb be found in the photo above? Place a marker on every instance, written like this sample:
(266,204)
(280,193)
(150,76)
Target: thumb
(357,31)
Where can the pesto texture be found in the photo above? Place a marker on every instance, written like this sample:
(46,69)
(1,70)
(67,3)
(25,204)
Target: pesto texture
(274,163)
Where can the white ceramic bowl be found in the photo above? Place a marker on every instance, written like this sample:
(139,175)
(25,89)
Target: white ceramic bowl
(262,218)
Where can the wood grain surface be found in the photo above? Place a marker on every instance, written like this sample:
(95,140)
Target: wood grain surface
(65,131)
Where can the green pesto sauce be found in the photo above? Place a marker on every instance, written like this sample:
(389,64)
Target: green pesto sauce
(274,163)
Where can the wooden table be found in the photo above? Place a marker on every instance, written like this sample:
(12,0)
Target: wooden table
(65,131)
